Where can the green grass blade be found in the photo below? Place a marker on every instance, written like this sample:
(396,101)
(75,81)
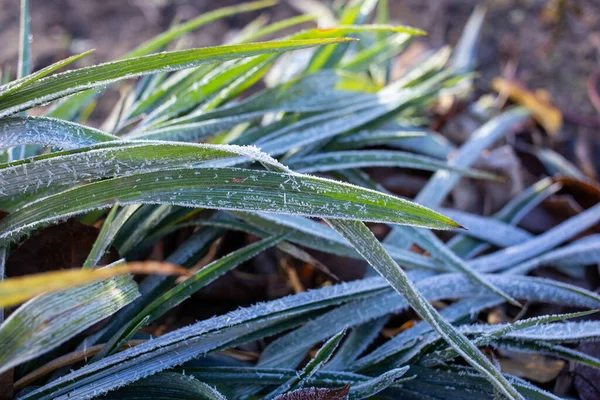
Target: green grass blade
(24,65)
(185,289)
(176,31)
(322,356)
(29,79)
(228,189)
(60,85)
(366,244)
(168,386)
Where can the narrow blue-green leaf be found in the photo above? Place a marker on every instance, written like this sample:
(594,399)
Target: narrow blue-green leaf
(496,332)
(323,162)
(322,356)
(168,386)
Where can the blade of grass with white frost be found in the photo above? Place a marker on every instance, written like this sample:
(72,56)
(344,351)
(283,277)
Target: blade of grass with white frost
(541,243)
(60,85)
(168,386)
(179,346)
(442,182)
(496,332)
(322,356)
(330,161)
(18,130)
(368,246)
(121,158)
(228,189)
(47,321)
(464,383)
(29,79)
(185,289)
(289,349)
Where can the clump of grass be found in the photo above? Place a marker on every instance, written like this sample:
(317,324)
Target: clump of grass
(185,147)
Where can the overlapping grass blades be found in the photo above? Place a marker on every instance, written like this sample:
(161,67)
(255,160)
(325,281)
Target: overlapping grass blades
(324,115)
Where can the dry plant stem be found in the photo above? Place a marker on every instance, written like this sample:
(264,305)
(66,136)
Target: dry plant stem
(67,359)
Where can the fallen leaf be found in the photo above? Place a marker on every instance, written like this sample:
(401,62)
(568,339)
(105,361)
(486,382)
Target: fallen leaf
(535,367)
(537,102)
(316,394)
(17,290)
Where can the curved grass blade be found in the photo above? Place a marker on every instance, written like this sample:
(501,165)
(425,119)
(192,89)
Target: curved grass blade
(228,189)
(370,388)
(49,320)
(168,386)
(373,137)
(370,248)
(322,356)
(101,161)
(176,31)
(497,332)
(185,289)
(69,107)
(18,84)
(60,85)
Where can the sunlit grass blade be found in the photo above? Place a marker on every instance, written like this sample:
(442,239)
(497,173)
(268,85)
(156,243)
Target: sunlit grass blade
(60,85)
(29,79)
(228,189)
(17,290)
(499,332)
(158,42)
(47,321)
